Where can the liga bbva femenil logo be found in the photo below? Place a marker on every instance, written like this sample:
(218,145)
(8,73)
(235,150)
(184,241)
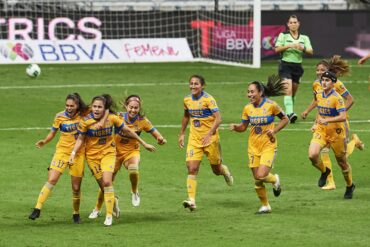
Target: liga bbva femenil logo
(13,50)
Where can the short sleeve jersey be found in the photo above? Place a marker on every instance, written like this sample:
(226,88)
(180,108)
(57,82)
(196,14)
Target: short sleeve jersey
(138,124)
(261,119)
(201,112)
(292,55)
(99,141)
(330,106)
(68,131)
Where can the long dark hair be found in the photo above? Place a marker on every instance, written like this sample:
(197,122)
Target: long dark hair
(274,86)
(336,65)
(82,107)
(109,103)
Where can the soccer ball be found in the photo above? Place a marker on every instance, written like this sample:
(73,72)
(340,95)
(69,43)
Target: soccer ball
(33,70)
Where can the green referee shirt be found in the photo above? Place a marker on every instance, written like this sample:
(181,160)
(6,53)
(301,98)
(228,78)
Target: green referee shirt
(292,55)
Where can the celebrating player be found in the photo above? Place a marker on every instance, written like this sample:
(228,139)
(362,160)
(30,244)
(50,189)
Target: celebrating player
(292,45)
(128,150)
(67,121)
(100,148)
(201,110)
(262,144)
(339,67)
(331,129)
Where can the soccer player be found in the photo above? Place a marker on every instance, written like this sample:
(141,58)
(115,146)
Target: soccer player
(128,150)
(292,45)
(331,129)
(262,144)
(339,67)
(100,148)
(200,109)
(67,121)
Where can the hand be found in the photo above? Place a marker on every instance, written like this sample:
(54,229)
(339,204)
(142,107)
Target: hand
(313,128)
(232,127)
(149,147)
(99,125)
(304,114)
(40,144)
(71,158)
(161,140)
(207,139)
(362,61)
(322,121)
(181,141)
(271,135)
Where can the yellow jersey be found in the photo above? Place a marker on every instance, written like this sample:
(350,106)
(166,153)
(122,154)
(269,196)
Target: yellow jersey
(261,119)
(99,141)
(138,124)
(68,131)
(201,111)
(330,106)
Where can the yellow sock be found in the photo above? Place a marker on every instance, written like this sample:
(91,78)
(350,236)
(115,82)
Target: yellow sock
(100,200)
(320,165)
(270,178)
(325,157)
(191,184)
(261,192)
(347,174)
(133,172)
(44,194)
(109,199)
(76,199)
(350,147)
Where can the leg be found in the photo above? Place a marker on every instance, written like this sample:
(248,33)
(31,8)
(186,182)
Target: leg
(76,198)
(132,165)
(53,178)
(314,155)
(213,153)
(261,193)
(325,157)
(191,182)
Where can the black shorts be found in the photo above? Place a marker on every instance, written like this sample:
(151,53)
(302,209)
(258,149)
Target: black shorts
(293,71)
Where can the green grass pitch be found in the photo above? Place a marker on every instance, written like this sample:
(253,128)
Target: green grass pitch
(303,215)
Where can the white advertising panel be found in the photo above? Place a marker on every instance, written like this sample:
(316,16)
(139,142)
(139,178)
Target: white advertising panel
(95,51)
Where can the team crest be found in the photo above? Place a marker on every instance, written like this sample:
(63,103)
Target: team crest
(338,131)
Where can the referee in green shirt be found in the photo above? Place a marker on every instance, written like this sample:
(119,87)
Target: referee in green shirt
(292,45)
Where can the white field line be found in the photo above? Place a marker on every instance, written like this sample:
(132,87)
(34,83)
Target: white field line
(145,84)
(223,127)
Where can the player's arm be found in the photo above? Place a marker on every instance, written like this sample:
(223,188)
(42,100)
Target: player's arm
(216,123)
(282,48)
(284,120)
(47,139)
(363,60)
(160,139)
(349,101)
(312,106)
(340,118)
(243,126)
(184,124)
(80,140)
(131,134)
(101,122)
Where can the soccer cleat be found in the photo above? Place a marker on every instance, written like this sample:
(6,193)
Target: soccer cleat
(329,186)
(190,204)
(116,210)
(35,214)
(76,219)
(135,199)
(264,209)
(292,117)
(108,220)
(349,191)
(276,188)
(94,214)
(358,143)
(323,177)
